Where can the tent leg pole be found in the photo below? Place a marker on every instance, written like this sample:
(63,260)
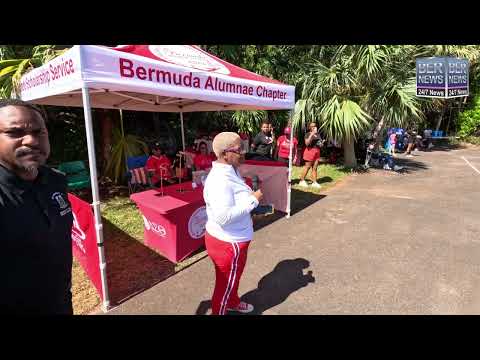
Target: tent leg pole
(289,188)
(95,195)
(183,131)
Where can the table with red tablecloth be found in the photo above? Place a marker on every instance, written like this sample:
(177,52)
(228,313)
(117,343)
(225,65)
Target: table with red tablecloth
(174,224)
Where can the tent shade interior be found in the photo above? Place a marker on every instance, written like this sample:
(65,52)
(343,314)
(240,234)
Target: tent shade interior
(125,100)
(155,78)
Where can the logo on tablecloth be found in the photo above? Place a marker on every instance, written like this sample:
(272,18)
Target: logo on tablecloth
(78,235)
(196,224)
(151,226)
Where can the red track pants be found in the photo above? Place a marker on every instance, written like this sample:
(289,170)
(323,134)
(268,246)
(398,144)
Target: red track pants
(229,260)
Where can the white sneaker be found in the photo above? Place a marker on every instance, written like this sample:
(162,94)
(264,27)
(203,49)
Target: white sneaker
(316,185)
(243,308)
(409,156)
(303,183)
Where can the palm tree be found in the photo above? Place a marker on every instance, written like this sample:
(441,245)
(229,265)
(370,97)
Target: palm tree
(354,87)
(17,60)
(470,52)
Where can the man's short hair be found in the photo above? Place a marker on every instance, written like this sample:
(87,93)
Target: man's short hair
(18,102)
(265,121)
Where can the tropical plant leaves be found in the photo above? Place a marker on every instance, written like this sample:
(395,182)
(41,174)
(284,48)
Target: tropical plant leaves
(124,147)
(11,70)
(248,121)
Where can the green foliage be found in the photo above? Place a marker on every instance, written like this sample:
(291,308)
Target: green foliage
(249,121)
(15,61)
(469,120)
(472,140)
(124,147)
(67,134)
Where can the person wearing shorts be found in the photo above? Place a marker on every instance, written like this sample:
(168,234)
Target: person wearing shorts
(411,135)
(311,156)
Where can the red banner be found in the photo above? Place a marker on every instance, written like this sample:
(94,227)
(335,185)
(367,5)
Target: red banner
(84,241)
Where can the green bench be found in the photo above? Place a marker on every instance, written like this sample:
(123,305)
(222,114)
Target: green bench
(77,174)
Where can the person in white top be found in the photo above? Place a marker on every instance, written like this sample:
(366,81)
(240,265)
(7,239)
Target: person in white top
(229,229)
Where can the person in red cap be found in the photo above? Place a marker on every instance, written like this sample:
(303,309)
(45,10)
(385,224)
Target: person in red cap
(283,145)
(159,165)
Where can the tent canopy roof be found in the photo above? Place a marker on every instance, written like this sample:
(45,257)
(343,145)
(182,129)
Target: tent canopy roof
(157,78)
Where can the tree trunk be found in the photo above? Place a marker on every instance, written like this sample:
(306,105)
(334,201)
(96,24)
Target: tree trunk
(377,131)
(449,121)
(106,126)
(350,160)
(157,125)
(441,116)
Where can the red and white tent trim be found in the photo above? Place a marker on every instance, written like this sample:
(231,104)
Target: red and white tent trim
(152,78)
(156,78)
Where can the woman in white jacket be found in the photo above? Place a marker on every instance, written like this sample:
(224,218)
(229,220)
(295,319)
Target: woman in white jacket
(229,229)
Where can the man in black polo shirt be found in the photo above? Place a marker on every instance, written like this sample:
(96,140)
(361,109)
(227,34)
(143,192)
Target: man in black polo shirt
(35,218)
(263,143)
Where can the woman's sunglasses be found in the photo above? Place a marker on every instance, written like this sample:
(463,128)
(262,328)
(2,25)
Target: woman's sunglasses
(239,151)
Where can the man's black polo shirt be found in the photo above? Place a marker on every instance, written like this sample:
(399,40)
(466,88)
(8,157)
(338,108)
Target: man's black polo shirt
(263,144)
(35,244)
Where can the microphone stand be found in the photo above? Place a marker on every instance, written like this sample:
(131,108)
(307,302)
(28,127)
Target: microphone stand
(180,177)
(162,173)
(181,190)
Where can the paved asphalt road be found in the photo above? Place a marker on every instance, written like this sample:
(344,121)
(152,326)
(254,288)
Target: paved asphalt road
(377,243)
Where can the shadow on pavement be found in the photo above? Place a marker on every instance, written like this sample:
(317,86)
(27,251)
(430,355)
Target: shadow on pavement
(410,164)
(300,200)
(275,287)
(303,199)
(262,221)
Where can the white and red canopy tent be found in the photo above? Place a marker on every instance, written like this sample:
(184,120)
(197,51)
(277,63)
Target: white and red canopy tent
(156,78)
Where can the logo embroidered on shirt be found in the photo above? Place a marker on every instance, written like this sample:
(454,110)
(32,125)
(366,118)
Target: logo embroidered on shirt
(62,204)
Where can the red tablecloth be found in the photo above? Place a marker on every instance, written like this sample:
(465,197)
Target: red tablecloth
(175,222)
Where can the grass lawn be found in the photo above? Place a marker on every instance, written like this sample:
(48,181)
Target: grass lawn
(133,268)
(327,175)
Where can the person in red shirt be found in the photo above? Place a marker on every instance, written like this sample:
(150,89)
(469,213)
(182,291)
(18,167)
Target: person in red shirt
(203,160)
(159,165)
(311,155)
(283,145)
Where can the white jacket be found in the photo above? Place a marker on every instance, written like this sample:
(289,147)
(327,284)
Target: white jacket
(229,202)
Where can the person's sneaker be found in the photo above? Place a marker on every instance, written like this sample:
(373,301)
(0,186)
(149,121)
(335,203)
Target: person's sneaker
(316,185)
(243,308)
(303,183)
(409,155)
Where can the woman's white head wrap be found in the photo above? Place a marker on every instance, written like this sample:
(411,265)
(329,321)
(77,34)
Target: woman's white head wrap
(224,141)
